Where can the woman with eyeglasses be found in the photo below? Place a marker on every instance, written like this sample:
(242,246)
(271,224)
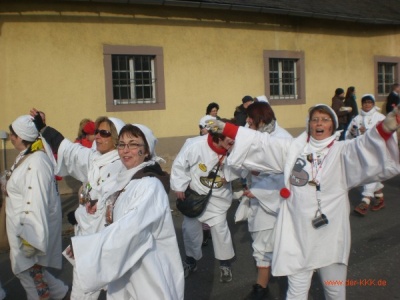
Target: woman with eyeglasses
(137,255)
(313,227)
(96,168)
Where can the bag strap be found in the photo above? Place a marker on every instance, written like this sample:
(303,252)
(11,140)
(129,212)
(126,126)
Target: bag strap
(216,172)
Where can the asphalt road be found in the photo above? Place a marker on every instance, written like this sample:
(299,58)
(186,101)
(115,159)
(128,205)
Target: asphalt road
(373,271)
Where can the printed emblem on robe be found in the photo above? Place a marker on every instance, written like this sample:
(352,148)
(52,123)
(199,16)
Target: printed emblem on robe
(207,181)
(299,177)
(203,167)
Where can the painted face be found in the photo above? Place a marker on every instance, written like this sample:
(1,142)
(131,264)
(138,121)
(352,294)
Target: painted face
(104,143)
(367,105)
(321,125)
(227,143)
(131,150)
(214,112)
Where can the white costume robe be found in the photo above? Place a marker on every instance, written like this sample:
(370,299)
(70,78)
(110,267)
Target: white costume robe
(137,255)
(191,167)
(33,213)
(266,187)
(99,170)
(298,246)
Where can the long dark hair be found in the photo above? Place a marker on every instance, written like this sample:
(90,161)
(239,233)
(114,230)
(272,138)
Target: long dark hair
(350,92)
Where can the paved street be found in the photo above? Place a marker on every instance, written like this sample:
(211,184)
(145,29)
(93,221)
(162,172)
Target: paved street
(372,273)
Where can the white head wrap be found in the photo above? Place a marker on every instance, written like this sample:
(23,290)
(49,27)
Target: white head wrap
(262,98)
(151,141)
(332,114)
(25,128)
(369,96)
(118,123)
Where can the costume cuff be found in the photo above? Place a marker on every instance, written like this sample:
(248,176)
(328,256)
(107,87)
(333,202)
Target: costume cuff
(230,130)
(385,135)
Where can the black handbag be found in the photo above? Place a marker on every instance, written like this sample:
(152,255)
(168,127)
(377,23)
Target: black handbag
(194,204)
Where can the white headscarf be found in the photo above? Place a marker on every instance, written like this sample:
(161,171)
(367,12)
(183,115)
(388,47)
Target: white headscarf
(151,141)
(373,110)
(25,128)
(262,98)
(118,123)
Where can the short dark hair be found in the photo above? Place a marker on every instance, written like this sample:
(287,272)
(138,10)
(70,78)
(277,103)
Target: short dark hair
(211,106)
(260,112)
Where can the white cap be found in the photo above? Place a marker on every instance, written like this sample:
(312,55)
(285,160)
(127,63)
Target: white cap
(25,128)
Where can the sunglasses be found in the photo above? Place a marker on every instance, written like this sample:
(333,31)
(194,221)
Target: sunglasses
(103,133)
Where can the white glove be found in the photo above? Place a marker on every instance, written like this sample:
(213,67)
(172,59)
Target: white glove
(215,126)
(392,121)
(27,249)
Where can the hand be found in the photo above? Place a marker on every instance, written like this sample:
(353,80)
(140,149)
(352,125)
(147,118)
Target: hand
(27,249)
(215,126)
(37,119)
(91,207)
(70,251)
(392,121)
(248,194)
(180,195)
(362,129)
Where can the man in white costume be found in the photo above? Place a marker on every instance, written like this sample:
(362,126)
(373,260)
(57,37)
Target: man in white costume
(33,214)
(265,202)
(195,162)
(137,255)
(368,118)
(313,228)
(96,168)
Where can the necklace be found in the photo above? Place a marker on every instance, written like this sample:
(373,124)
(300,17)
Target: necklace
(316,163)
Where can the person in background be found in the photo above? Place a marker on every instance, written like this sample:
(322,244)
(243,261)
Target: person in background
(86,133)
(393,99)
(2,293)
(96,168)
(136,256)
(33,214)
(195,166)
(312,230)
(368,118)
(211,113)
(341,111)
(240,114)
(265,201)
(350,101)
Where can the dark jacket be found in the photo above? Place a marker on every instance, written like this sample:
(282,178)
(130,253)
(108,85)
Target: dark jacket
(337,103)
(351,102)
(154,171)
(240,115)
(392,99)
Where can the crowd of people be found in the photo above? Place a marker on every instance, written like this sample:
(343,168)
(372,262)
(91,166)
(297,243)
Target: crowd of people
(294,198)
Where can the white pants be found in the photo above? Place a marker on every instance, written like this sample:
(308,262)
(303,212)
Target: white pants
(263,244)
(77,293)
(333,280)
(193,237)
(57,288)
(371,188)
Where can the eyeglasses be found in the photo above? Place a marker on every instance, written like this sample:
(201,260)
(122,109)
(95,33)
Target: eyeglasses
(103,133)
(323,120)
(131,146)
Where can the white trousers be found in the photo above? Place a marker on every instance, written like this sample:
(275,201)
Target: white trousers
(371,188)
(333,280)
(77,293)
(57,288)
(193,237)
(263,244)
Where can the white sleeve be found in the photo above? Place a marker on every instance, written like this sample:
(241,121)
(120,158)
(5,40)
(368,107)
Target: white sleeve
(180,171)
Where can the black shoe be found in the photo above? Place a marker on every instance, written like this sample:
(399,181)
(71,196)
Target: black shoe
(258,293)
(206,237)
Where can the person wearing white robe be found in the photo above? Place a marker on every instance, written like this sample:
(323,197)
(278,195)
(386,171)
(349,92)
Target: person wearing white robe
(137,255)
(264,202)
(318,172)
(33,215)
(97,169)
(369,116)
(199,157)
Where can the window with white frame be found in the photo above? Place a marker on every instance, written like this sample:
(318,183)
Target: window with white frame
(386,77)
(284,74)
(134,78)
